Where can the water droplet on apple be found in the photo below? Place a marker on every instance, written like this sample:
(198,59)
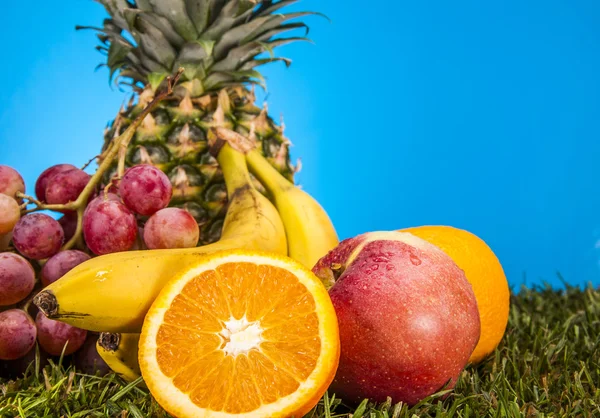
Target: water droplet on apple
(415,260)
(381,259)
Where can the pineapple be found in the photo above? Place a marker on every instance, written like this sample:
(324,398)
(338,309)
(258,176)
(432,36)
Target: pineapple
(218,43)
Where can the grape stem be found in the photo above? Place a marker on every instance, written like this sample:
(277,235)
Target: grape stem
(77,235)
(115,149)
(91,160)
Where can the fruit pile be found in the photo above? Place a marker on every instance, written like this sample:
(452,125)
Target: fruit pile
(108,225)
(130,245)
(275,312)
(191,263)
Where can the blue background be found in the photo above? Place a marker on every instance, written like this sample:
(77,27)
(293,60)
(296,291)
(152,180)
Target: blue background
(481,115)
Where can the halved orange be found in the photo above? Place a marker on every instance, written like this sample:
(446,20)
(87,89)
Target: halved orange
(240,334)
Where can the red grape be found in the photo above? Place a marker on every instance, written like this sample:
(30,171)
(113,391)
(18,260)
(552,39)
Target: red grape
(68,222)
(17,278)
(59,264)
(65,186)
(53,335)
(17,334)
(42,182)
(171,228)
(108,226)
(9,213)
(104,197)
(145,189)
(11,181)
(38,236)
(87,359)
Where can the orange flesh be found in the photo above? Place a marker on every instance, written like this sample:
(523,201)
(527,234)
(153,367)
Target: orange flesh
(195,356)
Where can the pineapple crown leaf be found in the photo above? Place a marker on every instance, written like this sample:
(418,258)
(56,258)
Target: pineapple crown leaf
(161,23)
(254,63)
(207,45)
(250,76)
(272,22)
(176,13)
(226,19)
(243,54)
(218,42)
(130,78)
(270,7)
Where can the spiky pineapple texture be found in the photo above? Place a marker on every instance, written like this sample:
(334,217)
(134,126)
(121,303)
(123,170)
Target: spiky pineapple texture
(218,43)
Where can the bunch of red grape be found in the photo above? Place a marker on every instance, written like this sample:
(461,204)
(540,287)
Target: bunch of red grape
(36,249)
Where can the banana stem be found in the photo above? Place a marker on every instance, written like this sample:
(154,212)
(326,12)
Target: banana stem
(109,341)
(234,168)
(266,173)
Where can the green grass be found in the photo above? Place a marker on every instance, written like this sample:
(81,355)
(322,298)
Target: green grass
(548,365)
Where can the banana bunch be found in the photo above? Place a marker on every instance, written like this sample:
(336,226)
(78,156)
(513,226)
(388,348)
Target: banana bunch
(112,293)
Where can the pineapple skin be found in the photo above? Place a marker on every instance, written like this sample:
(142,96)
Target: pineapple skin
(174,138)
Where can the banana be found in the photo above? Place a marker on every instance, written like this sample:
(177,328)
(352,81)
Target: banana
(120,353)
(309,230)
(113,292)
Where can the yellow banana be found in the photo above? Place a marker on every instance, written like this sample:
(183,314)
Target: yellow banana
(309,230)
(113,292)
(120,353)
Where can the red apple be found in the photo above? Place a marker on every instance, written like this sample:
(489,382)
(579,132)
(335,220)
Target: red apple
(407,316)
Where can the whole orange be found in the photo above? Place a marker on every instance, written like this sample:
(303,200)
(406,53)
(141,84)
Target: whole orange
(484,272)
